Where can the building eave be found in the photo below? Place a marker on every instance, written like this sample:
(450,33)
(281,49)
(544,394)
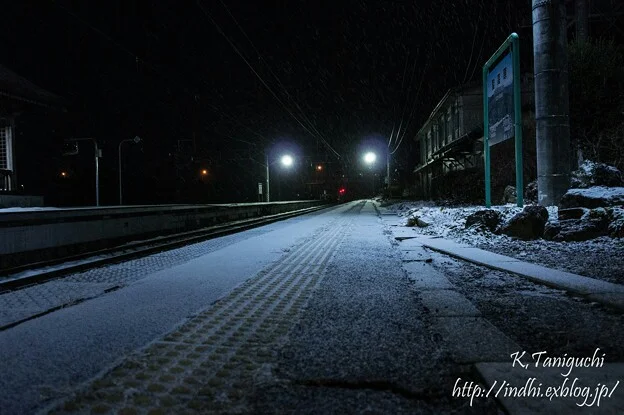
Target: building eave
(18,88)
(453,91)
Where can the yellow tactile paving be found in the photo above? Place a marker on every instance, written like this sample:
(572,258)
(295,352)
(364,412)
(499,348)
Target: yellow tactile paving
(212,362)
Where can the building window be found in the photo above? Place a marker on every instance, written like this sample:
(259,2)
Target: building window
(493,85)
(4,148)
(449,127)
(505,72)
(498,79)
(430,141)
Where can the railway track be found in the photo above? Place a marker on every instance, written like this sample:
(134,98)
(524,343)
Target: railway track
(39,272)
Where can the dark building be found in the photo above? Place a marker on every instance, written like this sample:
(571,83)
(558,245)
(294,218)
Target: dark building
(17,96)
(451,140)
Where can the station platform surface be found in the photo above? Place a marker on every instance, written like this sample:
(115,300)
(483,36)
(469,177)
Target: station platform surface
(341,312)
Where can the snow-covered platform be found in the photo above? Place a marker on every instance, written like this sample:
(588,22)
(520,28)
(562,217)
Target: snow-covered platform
(330,312)
(35,234)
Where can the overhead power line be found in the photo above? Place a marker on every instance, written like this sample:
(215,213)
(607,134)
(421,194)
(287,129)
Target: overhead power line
(239,53)
(284,89)
(151,66)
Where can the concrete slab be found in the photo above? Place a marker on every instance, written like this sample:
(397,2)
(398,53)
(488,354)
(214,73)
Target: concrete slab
(402,231)
(447,303)
(474,339)
(477,253)
(392,221)
(440,243)
(425,277)
(410,244)
(567,280)
(611,299)
(415,254)
(600,384)
(598,290)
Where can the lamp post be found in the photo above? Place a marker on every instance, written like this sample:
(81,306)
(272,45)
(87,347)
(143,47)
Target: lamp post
(286,161)
(136,140)
(370,158)
(98,154)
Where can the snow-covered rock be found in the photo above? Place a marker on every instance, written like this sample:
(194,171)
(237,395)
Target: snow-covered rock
(616,222)
(509,195)
(572,213)
(530,192)
(484,219)
(416,221)
(592,174)
(528,224)
(592,224)
(551,230)
(593,197)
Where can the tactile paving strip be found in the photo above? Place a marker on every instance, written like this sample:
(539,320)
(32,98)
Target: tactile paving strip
(212,363)
(28,302)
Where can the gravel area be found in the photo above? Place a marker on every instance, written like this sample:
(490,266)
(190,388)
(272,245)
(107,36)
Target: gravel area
(535,316)
(600,258)
(363,343)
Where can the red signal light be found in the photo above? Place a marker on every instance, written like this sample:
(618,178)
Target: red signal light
(342,190)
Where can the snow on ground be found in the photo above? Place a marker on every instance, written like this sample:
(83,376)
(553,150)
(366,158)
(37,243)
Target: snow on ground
(601,258)
(26,209)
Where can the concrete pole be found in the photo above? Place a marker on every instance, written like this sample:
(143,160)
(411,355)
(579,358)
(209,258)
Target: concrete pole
(582,20)
(120,182)
(582,35)
(552,119)
(97,173)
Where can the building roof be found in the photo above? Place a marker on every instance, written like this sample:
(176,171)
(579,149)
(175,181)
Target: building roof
(453,91)
(16,87)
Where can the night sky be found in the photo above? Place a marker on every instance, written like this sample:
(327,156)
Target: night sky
(237,77)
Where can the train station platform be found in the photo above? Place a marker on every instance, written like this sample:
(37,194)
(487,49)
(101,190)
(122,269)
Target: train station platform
(338,311)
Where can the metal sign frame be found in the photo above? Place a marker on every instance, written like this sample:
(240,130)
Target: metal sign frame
(513,43)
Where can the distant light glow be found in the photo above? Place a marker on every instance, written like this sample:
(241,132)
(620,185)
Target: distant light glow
(370,157)
(63,174)
(287,160)
(204,172)
(319,167)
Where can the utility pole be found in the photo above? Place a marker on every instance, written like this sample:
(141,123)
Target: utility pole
(582,20)
(98,154)
(552,115)
(582,34)
(388,173)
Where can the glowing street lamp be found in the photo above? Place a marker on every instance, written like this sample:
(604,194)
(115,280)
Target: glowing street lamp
(286,160)
(370,157)
(204,172)
(319,167)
